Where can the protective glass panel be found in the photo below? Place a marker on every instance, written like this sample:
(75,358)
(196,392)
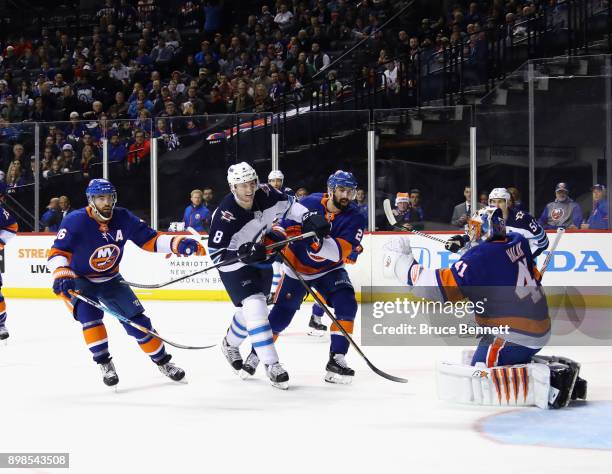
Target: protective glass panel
(571,109)
(17,144)
(422,167)
(194,153)
(313,145)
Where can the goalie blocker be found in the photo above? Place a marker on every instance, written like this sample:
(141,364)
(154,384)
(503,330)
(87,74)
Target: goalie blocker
(546,382)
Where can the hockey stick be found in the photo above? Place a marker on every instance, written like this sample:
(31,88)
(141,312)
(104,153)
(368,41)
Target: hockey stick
(127,321)
(229,261)
(560,232)
(196,234)
(393,222)
(331,316)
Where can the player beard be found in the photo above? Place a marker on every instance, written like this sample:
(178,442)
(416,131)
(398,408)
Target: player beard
(342,204)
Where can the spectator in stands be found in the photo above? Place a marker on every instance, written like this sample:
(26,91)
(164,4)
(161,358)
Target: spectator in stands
(13,176)
(242,102)
(199,107)
(138,151)
(318,59)
(50,220)
(405,214)
(216,104)
(283,18)
(516,202)
(197,214)
(416,205)
(598,219)
(117,150)
(88,158)
(56,169)
(463,211)
(262,100)
(19,155)
(483,198)
(69,160)
(208,195)
(562,212)
(65,206)
(361,200)
(301,192)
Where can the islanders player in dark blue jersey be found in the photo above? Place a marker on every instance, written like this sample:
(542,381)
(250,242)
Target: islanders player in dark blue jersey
(321,263)
(85,257)
(498,272)
(8,229)
(242,225)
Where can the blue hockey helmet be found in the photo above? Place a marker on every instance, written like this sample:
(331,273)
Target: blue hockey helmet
(344,179)
(487,224)
(100,187)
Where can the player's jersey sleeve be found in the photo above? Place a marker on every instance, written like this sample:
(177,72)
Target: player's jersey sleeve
(8,226)
(528,227)
(349,239)
(145,237)
(293,209)
(63,246)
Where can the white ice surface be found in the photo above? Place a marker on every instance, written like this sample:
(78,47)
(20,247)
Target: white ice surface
(52,400)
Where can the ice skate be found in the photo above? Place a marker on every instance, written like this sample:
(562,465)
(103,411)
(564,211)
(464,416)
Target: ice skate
(338,371)
(109,374)
(171,371)
(279,378)
(315,327)
(249,366)
(232,354)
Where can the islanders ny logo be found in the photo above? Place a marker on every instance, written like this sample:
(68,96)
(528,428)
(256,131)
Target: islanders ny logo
(104,258)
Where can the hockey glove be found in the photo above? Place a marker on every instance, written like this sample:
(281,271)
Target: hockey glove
(185,247)
(352,257)
(277,234)
(63,281)
(313,222)
(253,252)
(456,243)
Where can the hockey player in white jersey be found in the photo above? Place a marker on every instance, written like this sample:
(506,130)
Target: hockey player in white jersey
(242,225)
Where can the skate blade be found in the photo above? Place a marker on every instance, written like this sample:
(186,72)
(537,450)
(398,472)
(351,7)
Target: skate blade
(316,333)
(244,375)
(332,377)
(280,385)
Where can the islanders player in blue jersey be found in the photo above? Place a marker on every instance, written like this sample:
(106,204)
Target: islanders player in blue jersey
(498,271)
(242,225)
(321,263)
(85,258)
(8,229)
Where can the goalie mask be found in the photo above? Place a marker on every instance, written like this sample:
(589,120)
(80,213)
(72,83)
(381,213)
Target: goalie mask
(486,224)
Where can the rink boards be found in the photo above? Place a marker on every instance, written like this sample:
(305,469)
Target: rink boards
(582,259)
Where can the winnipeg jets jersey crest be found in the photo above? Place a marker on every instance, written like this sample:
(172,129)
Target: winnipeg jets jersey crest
(232,225)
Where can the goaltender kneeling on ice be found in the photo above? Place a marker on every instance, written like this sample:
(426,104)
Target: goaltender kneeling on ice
(504,369)
(425,329)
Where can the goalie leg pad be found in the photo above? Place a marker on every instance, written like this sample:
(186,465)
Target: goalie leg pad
(517,385)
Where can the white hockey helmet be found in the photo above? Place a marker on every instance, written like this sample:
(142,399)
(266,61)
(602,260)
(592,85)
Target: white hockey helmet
(500,193)
(276,174)
(241,173)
